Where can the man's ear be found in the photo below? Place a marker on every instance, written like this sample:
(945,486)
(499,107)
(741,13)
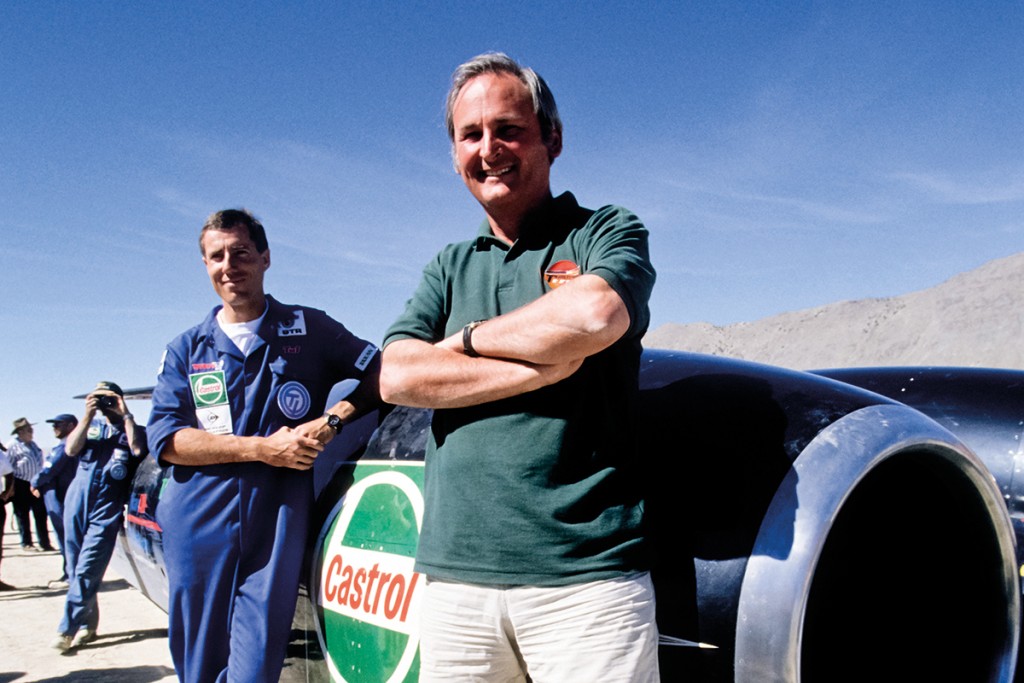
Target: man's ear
(554,145)
(266,258)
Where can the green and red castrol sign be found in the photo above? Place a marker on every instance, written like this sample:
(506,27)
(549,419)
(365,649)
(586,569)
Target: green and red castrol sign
(365,589)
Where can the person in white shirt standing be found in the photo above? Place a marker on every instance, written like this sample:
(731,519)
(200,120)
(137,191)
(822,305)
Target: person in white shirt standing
(27,459)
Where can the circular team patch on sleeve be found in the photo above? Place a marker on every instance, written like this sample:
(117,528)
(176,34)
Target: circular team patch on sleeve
(293,400)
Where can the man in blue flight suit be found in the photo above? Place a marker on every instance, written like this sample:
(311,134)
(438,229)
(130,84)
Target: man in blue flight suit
(52,484)
(108,444)
(237,417)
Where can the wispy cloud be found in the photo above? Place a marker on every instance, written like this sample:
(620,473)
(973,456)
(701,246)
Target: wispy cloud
(372,260)
(812,209)
(992,188)
(181,203)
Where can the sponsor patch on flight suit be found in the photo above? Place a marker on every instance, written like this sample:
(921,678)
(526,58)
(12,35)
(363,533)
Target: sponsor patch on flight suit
(366,356)
(296,327)
(293,399)
(210,394)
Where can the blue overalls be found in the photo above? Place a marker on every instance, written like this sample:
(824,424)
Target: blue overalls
(93,512)
(53,482)
(234,534)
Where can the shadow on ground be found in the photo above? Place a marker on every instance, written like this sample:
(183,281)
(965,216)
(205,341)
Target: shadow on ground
(131,674)
(28,592)
(113,639)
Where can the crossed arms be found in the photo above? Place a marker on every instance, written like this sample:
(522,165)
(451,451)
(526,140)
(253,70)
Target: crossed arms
(529,348)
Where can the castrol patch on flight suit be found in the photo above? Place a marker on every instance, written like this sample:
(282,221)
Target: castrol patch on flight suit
(296,327)
(365,588)
(293,399)
(210,394)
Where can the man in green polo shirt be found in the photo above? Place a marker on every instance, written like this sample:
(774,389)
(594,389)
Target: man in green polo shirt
(526,343)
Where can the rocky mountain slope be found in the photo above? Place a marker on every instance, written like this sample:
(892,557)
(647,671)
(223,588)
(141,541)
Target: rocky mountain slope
(972,319)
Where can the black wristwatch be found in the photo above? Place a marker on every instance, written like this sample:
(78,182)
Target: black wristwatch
(467,338)
(334,422)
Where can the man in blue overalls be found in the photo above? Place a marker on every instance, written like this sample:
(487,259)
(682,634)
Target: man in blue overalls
(52,484)
(108,445)
(237,417)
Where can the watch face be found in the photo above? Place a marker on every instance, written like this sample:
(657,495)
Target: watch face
(334,422)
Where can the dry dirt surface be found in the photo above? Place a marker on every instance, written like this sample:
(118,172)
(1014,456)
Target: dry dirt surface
(132,643)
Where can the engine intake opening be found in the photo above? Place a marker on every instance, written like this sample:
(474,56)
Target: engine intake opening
(910,582)
(886,554)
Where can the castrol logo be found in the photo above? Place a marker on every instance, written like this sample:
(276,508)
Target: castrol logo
(212,386)
(208,388)
(374,595)
(367,593)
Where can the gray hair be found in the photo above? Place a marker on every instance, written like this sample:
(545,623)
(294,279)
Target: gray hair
(499,62)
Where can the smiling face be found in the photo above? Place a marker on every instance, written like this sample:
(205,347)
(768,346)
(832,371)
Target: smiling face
(499,150)
(236,270)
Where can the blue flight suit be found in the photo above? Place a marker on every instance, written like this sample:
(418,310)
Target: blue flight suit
(93,513)
(53,482)
(234,534)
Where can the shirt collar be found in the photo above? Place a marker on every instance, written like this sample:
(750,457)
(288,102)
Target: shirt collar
(538,226)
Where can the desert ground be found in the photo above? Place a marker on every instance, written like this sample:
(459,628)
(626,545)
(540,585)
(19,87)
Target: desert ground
(132,643)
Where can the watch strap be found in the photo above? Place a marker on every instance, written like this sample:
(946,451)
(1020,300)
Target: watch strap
(334,422)
(467,338)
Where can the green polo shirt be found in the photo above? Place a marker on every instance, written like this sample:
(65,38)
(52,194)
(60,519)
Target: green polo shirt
(541,488)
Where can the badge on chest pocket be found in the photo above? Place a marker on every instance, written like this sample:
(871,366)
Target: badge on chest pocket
(210,394)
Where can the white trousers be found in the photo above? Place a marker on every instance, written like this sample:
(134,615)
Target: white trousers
(596,631)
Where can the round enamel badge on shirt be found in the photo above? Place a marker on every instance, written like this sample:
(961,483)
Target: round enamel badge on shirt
(293,400)
(559,273)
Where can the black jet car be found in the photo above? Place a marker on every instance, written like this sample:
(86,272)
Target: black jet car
(839,525)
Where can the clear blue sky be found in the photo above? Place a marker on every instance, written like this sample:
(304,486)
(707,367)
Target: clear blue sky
(783,155)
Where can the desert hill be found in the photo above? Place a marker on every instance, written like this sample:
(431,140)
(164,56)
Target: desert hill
(972,319)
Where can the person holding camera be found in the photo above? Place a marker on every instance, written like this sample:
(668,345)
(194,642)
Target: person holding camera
(108,445)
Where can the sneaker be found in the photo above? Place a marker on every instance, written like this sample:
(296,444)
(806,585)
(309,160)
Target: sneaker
(85,636)
(6,587)
(61,584)
(63,642)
